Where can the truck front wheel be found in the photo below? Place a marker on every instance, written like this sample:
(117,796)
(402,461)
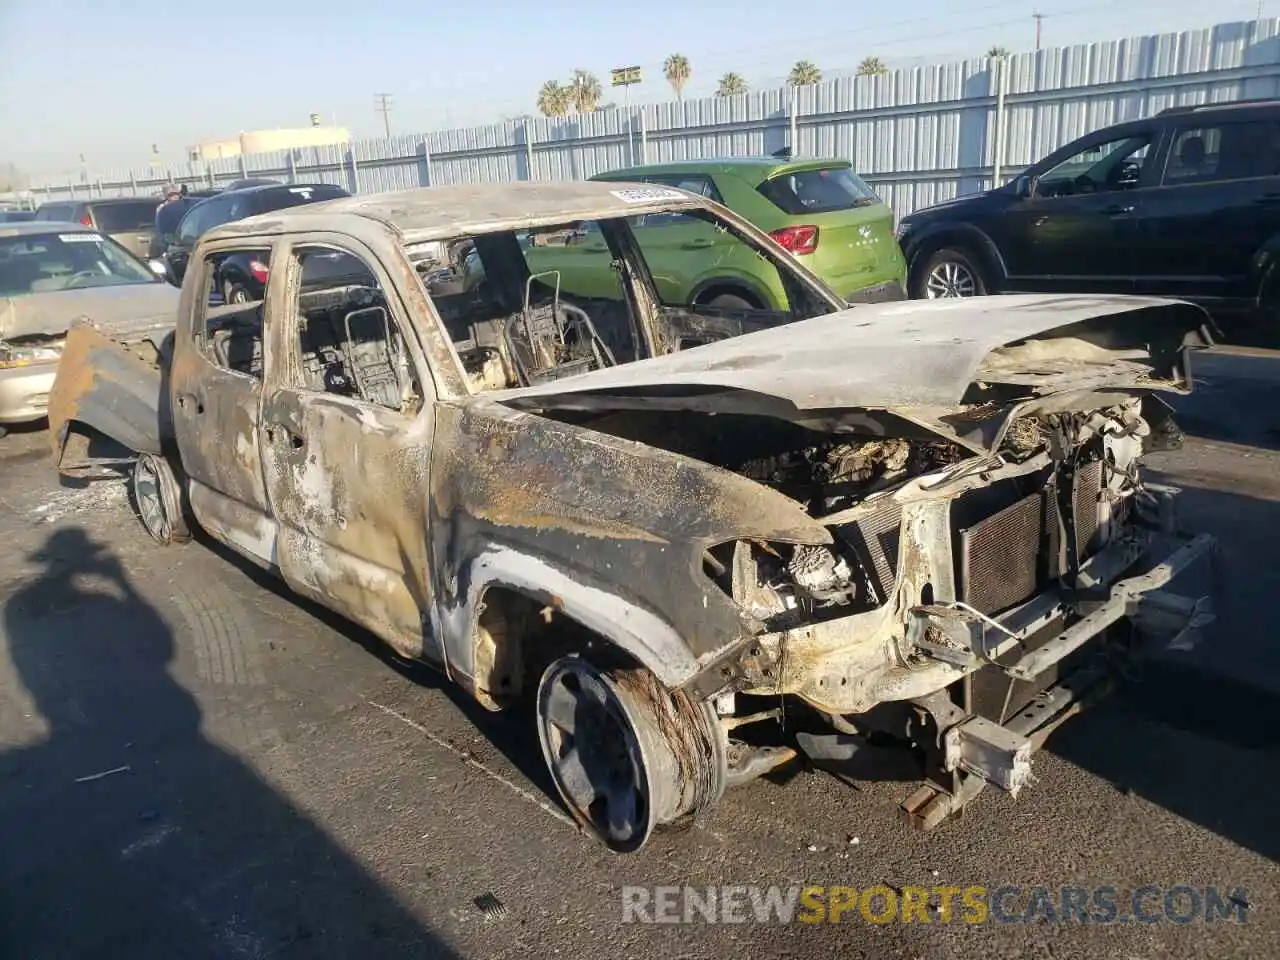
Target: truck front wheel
(158,499)
(626,753)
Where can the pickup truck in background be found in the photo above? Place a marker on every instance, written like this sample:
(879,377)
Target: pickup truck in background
(916,529)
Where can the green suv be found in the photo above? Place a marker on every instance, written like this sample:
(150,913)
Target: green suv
(819,210)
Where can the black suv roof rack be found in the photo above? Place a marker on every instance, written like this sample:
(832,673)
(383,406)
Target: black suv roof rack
(1228,105)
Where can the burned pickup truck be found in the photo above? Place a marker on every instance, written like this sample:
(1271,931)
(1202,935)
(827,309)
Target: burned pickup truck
(694,536)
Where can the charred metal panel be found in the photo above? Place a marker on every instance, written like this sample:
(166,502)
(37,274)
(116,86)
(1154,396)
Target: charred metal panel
(623,520)
(215,416)
(346,482)
(105,385)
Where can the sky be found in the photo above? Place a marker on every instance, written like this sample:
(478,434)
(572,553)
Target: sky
(107,79)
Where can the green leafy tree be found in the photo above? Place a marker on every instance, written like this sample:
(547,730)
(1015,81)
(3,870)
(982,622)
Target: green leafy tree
(554,99)
(805,73)
(677,71)
(872,66)
(998,52)
(586,91)
(731,84)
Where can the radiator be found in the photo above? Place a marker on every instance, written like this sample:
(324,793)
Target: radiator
(998,558)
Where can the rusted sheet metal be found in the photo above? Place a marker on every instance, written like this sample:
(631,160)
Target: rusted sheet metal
(621,525)
(353,528)
(107,386)
(443,212)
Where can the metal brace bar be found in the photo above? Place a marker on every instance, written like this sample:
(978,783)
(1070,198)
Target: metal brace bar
(1119,606)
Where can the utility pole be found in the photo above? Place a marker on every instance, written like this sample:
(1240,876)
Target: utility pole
(1039,18)
(382,105)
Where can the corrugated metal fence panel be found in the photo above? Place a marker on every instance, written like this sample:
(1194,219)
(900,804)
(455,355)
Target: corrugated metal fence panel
(918,135)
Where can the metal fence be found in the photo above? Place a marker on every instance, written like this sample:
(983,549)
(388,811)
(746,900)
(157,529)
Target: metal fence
(919,135)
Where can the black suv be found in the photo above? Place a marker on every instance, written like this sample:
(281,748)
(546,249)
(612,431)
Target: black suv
(239,281)
(1184,204)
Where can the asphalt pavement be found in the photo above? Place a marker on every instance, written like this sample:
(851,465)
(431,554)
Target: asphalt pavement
(193,764)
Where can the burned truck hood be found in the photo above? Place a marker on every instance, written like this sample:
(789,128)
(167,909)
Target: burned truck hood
(117,310)
(946,366)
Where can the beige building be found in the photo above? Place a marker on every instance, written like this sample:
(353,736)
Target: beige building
(264,141)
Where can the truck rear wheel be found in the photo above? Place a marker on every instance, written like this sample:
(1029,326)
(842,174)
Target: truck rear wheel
(626,754)
(158,499)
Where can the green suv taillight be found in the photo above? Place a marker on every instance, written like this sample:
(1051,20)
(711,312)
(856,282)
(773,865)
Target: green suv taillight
(798,240)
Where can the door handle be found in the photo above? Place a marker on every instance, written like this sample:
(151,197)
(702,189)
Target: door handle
(698,244)
(1118,210)
(1268,198)
(596,248)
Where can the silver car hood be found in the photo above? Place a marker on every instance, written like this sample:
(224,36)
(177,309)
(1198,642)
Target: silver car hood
(918,360)
(115,310)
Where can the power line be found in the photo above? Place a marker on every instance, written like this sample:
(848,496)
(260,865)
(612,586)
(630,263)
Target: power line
(382,105)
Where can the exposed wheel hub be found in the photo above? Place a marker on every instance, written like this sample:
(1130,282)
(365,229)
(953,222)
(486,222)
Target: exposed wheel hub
(625,753)
(158,500)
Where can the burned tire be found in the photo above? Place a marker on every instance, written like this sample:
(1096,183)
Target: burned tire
(949,273)
(157,497)
(626,754)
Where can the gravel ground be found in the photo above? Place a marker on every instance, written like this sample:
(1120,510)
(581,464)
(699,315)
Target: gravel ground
(194,765)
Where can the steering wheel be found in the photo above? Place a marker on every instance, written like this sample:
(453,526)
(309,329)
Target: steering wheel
(81,275)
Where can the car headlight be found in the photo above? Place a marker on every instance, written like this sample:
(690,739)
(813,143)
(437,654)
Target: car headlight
(14,355)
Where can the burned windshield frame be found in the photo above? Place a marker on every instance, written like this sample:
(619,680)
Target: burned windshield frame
(443,269)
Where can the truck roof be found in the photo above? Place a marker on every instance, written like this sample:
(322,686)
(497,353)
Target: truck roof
(441,213)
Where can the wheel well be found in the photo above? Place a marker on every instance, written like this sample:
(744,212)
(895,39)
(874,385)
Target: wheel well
(960,240)
(728,287)
(517,635)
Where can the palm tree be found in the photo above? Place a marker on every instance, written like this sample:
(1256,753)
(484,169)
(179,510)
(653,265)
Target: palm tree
(805,73)
(585,90)
(731,84)
(871,66)
(677,70)
(995,52)
(554,99)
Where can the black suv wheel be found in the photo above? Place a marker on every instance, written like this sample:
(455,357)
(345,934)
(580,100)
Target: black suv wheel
(948,273)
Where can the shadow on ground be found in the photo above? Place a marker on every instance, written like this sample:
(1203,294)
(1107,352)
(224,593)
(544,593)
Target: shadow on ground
(1236,399)
(1225,692)
(126,832)
(513,731)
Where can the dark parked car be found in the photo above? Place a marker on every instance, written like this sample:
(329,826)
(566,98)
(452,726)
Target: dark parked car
(241,277)
(170,215)
(130,221)
(1184,204)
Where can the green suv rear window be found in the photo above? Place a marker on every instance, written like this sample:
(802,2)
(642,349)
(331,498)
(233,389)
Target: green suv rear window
(817,191)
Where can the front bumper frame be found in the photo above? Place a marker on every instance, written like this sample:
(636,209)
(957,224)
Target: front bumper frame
(976,751)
